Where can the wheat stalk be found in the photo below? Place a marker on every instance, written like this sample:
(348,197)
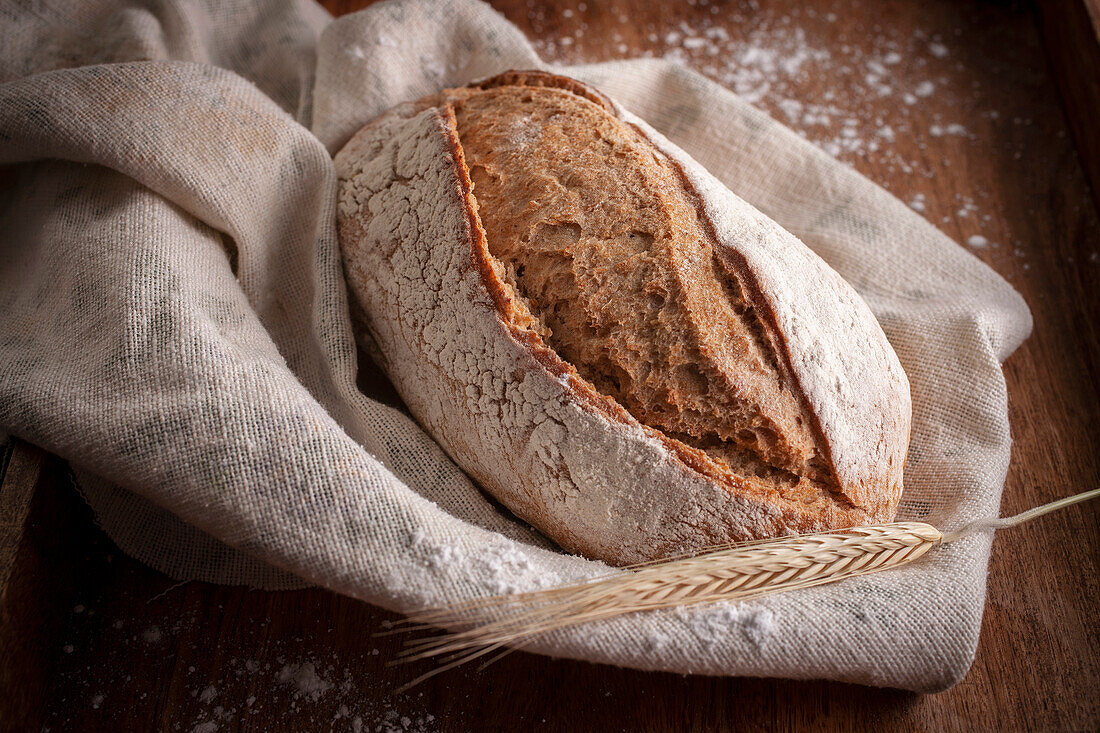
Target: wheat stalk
(728,573)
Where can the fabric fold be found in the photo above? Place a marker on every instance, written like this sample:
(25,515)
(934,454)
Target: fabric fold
(175,324)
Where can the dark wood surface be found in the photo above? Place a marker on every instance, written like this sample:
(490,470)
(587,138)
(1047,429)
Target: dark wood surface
(91,640)
(1071,34)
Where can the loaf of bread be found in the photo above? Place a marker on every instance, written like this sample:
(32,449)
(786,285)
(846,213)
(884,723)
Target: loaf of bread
(610,342)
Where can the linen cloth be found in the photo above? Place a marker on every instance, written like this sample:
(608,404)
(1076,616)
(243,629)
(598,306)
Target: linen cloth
(174,323)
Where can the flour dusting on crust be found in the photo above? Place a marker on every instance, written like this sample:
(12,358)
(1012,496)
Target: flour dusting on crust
(519,420)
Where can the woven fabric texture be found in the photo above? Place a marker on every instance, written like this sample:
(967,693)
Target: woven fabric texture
(174,323)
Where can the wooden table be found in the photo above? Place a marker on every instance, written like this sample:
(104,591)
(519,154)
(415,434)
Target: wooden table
(951,106)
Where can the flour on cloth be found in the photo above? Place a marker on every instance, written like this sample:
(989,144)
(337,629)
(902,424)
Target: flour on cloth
(175,325)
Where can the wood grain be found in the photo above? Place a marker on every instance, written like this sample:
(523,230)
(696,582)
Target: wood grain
(1071,36)
(19,477)
(104,643)
(31,604)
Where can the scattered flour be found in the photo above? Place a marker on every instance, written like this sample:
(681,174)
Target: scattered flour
(394,722)
(968,208)
(759,626)
(439,557)
(876,90)
(712,624)
(952,129)
(304,680)
(507,569)
(309,689)
(774,62)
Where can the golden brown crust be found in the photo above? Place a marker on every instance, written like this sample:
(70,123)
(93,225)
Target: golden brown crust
(502,295)
(660,510)
(535,78)
(806,490)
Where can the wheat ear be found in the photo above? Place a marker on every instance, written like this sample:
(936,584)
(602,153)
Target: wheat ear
(727,573)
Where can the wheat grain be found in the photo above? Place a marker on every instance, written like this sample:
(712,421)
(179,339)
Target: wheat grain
(721,574)
(728,574)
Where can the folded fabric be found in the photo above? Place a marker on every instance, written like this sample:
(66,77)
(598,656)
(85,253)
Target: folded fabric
(175,324)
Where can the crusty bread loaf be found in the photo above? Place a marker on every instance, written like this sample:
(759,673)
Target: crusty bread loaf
(624,353)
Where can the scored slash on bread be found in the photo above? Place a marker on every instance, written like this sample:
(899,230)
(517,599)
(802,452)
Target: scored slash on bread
(627,355)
